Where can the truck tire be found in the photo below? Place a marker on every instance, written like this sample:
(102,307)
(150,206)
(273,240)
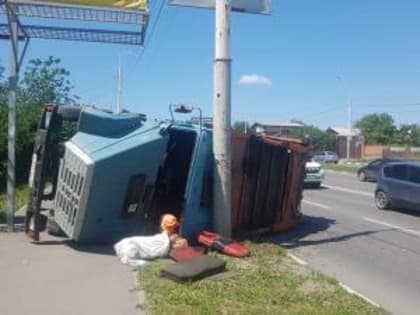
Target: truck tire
(69,113)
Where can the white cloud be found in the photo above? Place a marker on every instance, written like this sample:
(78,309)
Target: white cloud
(254,79)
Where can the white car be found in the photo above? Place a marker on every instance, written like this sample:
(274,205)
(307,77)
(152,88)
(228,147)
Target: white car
(314,174)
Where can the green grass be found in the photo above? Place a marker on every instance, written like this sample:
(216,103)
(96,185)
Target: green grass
(348,168)
(268,282)
(22,193)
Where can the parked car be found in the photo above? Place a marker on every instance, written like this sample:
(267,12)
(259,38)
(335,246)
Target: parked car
(325,157)
(398,186)
(314,174)
(370,171)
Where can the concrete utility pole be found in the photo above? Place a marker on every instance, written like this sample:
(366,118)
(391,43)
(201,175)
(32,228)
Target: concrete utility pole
(349,126)
(13,79)
(222,121)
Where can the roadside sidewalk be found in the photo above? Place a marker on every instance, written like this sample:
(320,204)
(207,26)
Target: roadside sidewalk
(57,278)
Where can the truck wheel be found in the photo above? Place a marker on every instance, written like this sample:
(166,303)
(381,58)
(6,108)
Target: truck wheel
(69,113)
(316,185)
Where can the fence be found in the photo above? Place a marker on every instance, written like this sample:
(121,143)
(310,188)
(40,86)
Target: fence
(374,151)
(408,153)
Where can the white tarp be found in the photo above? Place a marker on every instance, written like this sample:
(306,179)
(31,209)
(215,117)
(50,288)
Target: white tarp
(246,6)
(137,248)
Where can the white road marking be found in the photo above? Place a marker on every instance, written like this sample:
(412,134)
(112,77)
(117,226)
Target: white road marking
(393,226)
(351,291)
(351,191)
(297,259)
(316,204)
(345,287)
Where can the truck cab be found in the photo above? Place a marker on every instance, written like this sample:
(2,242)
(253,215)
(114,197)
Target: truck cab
(120,174)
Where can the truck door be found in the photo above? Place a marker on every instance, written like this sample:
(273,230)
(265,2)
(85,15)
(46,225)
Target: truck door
(197,214)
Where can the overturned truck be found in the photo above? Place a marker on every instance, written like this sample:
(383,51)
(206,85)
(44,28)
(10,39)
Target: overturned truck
(120,173)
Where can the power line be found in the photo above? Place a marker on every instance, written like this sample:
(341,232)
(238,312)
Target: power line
(326,111)
(391,112)
(152,30)
(387,105)
(147,41)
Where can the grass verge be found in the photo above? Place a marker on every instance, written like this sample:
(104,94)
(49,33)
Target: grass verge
(22,193)
(348,168)
(268,282)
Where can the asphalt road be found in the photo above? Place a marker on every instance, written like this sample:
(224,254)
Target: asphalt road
(56,277)
(374,252)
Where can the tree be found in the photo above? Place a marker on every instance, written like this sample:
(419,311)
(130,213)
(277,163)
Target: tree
(3,128)
(321,140)
(241,126)
(377,128)
(3,88)
(45,81)
(409,135)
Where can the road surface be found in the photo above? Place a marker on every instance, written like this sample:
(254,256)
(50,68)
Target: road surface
(374,252)
(55,277)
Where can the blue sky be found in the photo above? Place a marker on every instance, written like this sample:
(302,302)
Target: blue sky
(298,52)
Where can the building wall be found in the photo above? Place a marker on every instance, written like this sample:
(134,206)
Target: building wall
(374,151)
(356,147)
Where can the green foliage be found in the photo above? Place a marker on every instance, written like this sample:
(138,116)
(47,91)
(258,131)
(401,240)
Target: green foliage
(267,282)
(321,140)
(3,127)
(241,126)
(22,195)
(377,128)
(408,135)
(44,81)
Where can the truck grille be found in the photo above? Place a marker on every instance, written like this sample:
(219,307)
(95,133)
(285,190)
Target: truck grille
(70,188)
(312,170)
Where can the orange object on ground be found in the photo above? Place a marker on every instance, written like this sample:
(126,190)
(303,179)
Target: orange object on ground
(225,246)
(169,224)
(178,241)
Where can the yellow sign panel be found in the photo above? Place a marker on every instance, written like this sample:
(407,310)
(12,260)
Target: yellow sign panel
(140,5)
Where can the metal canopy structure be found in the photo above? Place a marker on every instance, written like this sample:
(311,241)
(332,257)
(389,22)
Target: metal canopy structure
(22,20)
(74,34)
(44,14)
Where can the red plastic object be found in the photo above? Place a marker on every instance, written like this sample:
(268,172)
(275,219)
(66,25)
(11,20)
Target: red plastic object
(225,246)
(187,253)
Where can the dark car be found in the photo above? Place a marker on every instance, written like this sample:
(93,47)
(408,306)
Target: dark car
(399,186)
(370,171)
